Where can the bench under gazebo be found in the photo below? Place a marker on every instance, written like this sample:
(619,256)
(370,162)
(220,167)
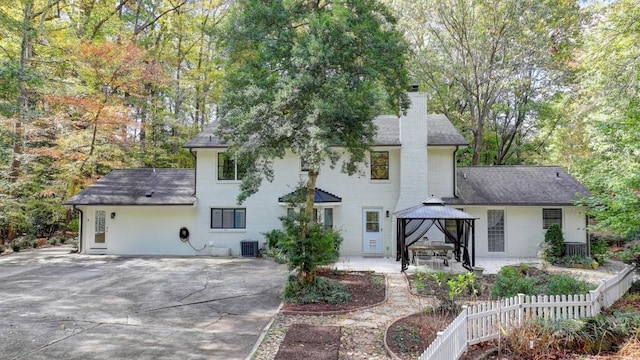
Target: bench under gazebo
(414,223)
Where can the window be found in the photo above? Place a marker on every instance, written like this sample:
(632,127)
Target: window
(551,216)
(304,166)
(495,230)
(228,168)
(326,220)
(100,227)
(451,226)
(228,218)
(372,221)
(379,165)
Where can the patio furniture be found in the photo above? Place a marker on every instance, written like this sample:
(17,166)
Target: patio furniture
(432,250)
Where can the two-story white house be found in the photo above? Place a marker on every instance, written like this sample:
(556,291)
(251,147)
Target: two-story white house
(141,211)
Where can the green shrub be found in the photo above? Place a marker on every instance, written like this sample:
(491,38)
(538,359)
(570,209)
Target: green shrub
(74,224)
(574,260)
(600,250)
(275,237)
(630,254)
(15,246)
(319,247)
(277,254)
(554,242)
(320,290)
(602,332)
(2,249)
(561,284)
(510,281)
(46,216)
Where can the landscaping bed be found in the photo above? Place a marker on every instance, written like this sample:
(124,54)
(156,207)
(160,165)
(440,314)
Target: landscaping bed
(615,334)
(408,337)
(365,289)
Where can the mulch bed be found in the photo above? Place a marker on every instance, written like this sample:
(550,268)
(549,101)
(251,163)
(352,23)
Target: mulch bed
(323,342)
(431,288)
(366,289)
(310,343)
(408,337)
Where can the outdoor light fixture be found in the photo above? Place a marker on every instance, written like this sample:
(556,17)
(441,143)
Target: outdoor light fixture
(387,213)
(113,215)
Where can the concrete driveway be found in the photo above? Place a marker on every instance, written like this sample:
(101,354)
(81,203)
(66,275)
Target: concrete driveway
(56,305)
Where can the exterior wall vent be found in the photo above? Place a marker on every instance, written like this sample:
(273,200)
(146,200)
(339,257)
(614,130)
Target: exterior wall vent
(249,248)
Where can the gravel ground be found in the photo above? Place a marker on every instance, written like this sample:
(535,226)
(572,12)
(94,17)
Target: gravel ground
(362,334)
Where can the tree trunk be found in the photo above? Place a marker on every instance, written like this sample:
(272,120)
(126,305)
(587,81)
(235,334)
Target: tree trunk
(23,97)
(312,176)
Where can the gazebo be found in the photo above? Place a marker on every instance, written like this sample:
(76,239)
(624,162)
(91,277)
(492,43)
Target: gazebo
(413,223)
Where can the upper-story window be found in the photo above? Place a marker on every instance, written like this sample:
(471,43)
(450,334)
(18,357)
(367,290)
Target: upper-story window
(304,166)
(228,168)
(551,216)
(379,165)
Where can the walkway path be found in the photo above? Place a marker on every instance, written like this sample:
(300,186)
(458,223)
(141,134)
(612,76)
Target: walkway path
(362,331)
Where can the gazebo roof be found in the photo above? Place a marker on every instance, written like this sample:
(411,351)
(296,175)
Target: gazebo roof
(433,208)
(320,196)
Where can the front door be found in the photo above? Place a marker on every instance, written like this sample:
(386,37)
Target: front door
(372,231)
(99,240)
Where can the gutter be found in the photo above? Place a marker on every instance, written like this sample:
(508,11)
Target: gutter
(81,228)
(455,175)
(195,170)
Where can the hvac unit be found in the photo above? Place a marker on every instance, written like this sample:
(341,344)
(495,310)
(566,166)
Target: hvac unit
(249,248)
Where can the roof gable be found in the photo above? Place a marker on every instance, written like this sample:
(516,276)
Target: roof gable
(140,187)
(516,185)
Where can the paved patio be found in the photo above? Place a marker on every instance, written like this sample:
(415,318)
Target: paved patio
(57,305)
(390,265)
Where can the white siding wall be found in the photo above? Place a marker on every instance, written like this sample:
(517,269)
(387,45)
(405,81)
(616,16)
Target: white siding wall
(142,230)
(263,209)
(440,178)
(523,229)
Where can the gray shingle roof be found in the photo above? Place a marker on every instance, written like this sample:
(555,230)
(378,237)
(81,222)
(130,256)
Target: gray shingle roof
(388,130)
(440,132)
(133,187)
(516,185)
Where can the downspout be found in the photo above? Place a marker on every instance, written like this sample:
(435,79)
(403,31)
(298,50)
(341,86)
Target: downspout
(80,228)
(586,230)
(455,175)
(195,169)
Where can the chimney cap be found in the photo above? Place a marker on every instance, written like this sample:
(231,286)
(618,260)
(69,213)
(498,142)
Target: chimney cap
(414,88)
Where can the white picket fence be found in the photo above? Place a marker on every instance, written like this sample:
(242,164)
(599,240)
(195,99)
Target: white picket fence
(485,321)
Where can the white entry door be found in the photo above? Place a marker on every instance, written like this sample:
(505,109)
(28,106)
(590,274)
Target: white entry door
(372,231)
(99,239)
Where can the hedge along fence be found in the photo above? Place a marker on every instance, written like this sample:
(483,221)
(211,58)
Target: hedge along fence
(485,321)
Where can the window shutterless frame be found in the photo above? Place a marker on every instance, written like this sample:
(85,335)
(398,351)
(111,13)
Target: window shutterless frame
(228,218)
(551,216)
(379,165)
